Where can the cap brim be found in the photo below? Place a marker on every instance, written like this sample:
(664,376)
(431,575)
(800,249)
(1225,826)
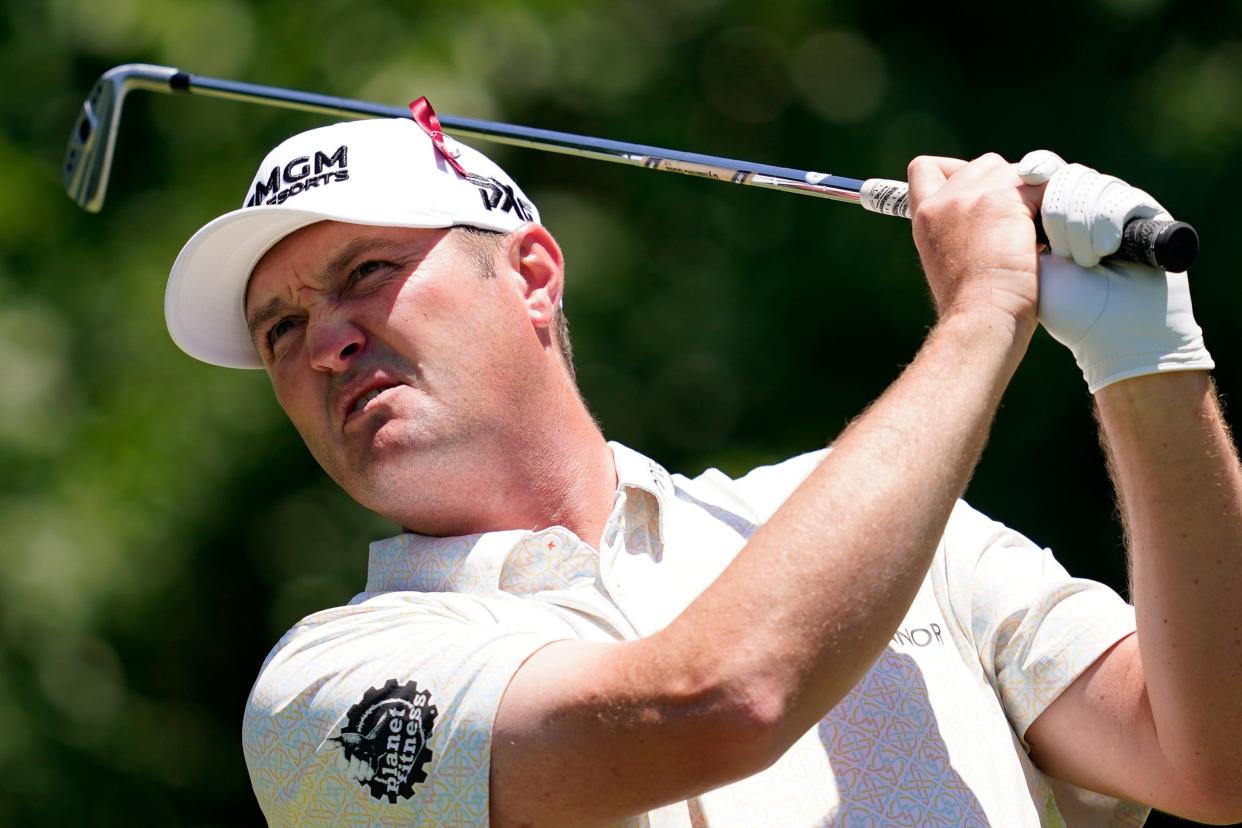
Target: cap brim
(204,303)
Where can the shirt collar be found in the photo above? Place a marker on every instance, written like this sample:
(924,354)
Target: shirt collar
(636,471)
(476,563)
(466,563)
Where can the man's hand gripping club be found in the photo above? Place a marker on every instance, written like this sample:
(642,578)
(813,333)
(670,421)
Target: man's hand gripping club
(1120,320)
(974,232)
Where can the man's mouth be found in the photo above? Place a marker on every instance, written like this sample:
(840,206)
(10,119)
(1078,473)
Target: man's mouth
(365,400)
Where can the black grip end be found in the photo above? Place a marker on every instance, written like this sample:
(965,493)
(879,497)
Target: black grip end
(1168,245)
(180,82)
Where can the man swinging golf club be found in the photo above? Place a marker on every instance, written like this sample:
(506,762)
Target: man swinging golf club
(567,634)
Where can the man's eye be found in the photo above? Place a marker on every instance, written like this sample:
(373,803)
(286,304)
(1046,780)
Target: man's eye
(366,269)
(278,330)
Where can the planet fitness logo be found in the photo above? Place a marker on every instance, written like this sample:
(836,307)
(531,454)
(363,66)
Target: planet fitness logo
(385,738)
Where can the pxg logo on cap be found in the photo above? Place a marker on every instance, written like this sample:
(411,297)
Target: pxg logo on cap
(497,194)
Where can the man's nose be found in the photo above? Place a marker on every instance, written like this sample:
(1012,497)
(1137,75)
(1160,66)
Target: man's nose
(333,342)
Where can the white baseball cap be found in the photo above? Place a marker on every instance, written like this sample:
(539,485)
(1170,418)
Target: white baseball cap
(387,173)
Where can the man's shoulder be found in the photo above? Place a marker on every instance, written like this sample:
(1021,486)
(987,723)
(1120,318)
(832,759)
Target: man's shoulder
(758,492)
(369,627)
(329,641)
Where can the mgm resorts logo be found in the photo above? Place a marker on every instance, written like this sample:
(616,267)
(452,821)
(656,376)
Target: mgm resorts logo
(299,175)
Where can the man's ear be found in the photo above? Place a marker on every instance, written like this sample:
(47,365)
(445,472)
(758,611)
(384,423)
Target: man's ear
(535,259)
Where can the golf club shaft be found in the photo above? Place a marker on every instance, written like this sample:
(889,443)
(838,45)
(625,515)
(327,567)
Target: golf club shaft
(1169,245)
(834,187)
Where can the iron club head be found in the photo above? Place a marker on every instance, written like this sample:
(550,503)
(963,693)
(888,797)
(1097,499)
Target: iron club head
(88,158)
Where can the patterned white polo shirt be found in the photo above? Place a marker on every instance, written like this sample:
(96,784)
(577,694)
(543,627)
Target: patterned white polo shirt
(380,712)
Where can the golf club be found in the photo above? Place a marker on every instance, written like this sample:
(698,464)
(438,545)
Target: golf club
(1169,245)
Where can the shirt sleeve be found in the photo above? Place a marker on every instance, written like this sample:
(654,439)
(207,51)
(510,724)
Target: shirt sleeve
(1035,628)
(381,712)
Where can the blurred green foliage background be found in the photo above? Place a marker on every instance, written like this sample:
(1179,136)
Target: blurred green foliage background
(160,522)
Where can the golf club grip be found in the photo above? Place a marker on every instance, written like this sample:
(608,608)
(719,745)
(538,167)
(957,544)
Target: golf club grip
(1167,245)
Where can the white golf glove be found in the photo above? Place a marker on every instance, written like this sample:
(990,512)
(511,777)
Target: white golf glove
(1119,319)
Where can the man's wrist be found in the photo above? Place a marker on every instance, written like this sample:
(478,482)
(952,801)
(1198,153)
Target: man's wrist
(1147,393)
(986,327)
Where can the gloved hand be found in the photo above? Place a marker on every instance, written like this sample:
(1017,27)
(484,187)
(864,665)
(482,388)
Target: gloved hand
(1120,320)
(1084,211)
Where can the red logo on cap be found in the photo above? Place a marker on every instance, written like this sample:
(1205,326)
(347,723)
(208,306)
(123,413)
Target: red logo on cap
(425,117)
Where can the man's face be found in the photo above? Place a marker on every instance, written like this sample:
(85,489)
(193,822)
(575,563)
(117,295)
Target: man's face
(402,367)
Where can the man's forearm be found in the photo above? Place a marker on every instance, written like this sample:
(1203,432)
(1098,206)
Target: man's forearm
(1180,491)
(811,601)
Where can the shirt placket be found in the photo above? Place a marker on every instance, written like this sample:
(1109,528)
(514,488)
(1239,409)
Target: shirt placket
(619,541)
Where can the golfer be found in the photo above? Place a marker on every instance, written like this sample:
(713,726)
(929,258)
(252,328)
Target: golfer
(564,633)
